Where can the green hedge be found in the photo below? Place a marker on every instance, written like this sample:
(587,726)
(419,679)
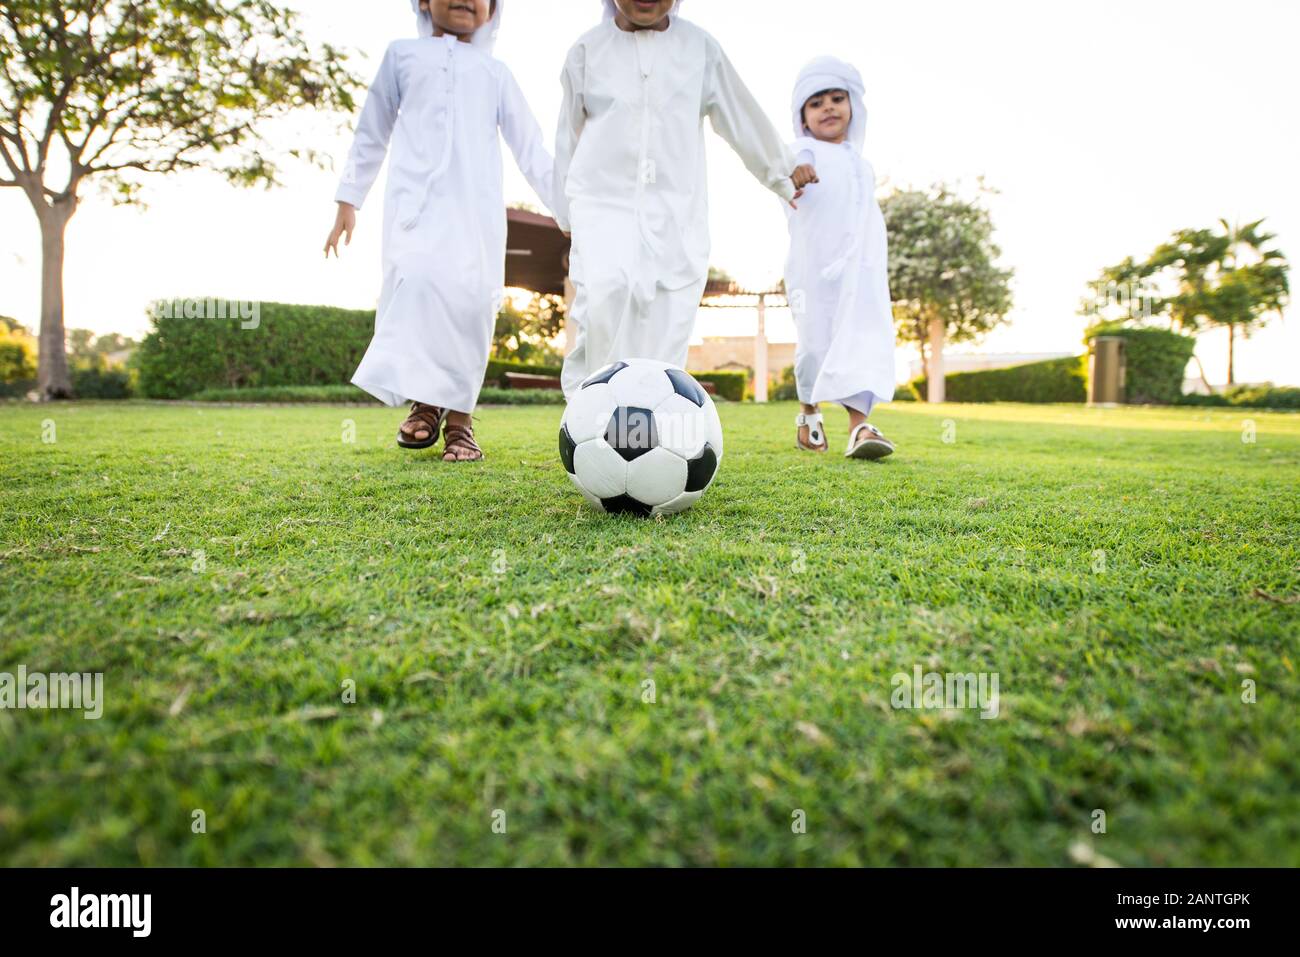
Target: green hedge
(730,385)
(288,393)
(1248,397)
(1155,360)
(497,369)
(17,366)
(291,345)
(99,381)
(337,394)
(494,396)
(1055,380)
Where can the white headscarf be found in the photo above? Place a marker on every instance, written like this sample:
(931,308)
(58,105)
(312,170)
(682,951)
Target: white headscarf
(610,9)
(485,37)
(828,73)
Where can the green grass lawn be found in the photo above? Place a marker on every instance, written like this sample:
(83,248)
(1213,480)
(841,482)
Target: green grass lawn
(232,570)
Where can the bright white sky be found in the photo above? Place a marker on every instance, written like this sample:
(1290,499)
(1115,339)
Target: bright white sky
(1105,126)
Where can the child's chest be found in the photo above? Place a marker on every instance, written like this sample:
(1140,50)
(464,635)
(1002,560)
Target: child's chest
(662,74)
(447,91)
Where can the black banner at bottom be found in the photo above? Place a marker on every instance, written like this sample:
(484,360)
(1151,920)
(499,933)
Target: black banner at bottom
(1224,906)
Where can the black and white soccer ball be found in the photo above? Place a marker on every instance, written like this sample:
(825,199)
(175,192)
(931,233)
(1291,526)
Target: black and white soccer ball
(641,437)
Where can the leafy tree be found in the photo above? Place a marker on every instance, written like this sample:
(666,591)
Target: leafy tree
(17,356)
(80,344)
(117,89)
(943,275)
(525,335)
(111,342)
(1251,284)
(85,346)
(1233,278)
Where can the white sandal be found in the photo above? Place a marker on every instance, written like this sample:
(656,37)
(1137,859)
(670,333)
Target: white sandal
(871,446)
(816,434)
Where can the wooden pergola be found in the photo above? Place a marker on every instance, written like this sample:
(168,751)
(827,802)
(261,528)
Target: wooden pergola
(537,259)
(537,253)
(725,294)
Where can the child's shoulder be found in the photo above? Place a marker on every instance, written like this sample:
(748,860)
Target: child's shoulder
(597,33)
(405,45)
(697,34)
(811,144)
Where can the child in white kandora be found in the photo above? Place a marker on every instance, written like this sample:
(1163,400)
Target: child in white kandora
(441,99)
(630,180)
(837,276)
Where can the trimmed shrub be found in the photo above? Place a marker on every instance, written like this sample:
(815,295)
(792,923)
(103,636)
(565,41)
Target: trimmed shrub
(730,385)
(291,345)
(289,393)
(17,365)
(97,380)
(497,369)
(1248,397)
(493,396)
(1055,380)
(1155,360)
(350,394)
(785,388)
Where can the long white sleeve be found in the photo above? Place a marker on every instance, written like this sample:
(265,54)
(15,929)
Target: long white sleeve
(374,130)
(573,117)
(738,119)
(524,137)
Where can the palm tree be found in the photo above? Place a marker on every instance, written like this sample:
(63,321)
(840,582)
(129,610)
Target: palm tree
(1251,283)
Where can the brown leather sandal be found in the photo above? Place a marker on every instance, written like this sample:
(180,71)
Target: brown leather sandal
(423,418)
(457,439)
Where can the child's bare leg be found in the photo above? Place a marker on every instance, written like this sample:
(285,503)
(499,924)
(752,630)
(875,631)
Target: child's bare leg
(804,430)
(856,418)
(869,443)
(459,436)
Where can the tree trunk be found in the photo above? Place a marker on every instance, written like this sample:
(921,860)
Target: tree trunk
(935,374)
(52,377)
(1232,335)
(1205,380)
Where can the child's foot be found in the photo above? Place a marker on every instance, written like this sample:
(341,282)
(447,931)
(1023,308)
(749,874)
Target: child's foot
(867,442)
(458,435)
(811,436)
(420,430)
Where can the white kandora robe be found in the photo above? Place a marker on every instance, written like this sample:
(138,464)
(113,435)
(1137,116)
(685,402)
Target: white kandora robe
(630,184)
(837,275)
(441,103)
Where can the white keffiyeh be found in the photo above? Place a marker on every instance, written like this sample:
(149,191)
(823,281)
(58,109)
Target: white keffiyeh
(828,73)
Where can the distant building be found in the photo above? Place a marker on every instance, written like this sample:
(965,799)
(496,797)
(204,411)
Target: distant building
(736,353)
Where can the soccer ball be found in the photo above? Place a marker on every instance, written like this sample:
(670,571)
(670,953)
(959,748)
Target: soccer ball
(641,437)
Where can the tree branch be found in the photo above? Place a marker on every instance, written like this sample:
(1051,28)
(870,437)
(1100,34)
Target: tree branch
(9,160)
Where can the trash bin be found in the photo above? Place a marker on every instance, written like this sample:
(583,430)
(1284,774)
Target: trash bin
(1106,370)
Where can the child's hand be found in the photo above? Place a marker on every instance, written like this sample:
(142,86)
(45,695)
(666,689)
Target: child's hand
(344,222)
(803,175)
